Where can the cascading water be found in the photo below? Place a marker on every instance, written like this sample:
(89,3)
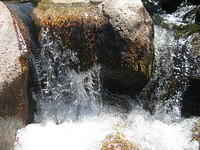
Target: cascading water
(71,113)
(69,95)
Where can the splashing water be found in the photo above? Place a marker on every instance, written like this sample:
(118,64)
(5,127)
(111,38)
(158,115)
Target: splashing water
(71,114)
(140,127)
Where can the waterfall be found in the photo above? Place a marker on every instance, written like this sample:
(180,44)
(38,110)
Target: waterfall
(65,94)
(73,109)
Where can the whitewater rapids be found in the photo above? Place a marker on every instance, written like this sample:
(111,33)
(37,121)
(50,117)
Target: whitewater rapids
(139,127)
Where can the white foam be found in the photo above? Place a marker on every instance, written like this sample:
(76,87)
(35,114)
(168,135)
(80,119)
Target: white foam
(141,128)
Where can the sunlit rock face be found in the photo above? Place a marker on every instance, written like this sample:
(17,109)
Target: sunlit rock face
(118,142)
(118,35)
(13,68)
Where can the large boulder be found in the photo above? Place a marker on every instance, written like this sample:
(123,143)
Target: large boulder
(129,62)
(13,68)
(116,34)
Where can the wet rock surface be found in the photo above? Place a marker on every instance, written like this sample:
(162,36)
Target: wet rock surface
(195,56)
(13,68)
(120,38)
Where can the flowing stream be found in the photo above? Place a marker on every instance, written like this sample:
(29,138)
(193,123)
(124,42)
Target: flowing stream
(71,109)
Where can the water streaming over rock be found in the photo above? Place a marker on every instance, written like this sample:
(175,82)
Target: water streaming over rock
(71,112)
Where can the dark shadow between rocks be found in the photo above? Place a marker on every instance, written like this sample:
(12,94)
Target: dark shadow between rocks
(191,99)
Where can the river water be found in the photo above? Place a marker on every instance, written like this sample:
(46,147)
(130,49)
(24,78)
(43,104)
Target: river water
(72,113)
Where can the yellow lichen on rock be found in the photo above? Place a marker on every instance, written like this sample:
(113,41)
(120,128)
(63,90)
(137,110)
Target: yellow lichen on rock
(118,142)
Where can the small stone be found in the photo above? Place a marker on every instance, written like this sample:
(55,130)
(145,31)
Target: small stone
(118,142)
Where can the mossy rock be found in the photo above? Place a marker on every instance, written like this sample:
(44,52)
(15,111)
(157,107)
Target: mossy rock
(118,142)
(186,30)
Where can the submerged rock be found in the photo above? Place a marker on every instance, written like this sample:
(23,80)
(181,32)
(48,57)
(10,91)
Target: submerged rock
(196,131)
(116,34)
(13,68)
(118,142)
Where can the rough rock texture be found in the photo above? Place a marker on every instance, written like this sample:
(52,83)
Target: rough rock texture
(76,27)
(196,132)
(195,55)
(130,59)
(116,34)
(118,142)
(13,68)
(8,129)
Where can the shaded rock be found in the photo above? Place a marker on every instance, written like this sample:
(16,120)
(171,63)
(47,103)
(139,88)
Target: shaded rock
(22,13)
(192,16)
(152,7)
(8,131)
(195,55)
(191,98)
(13,68)
(117,35)
(197,18)
(118,142)
(131,55)
(193,2)
(170,5)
